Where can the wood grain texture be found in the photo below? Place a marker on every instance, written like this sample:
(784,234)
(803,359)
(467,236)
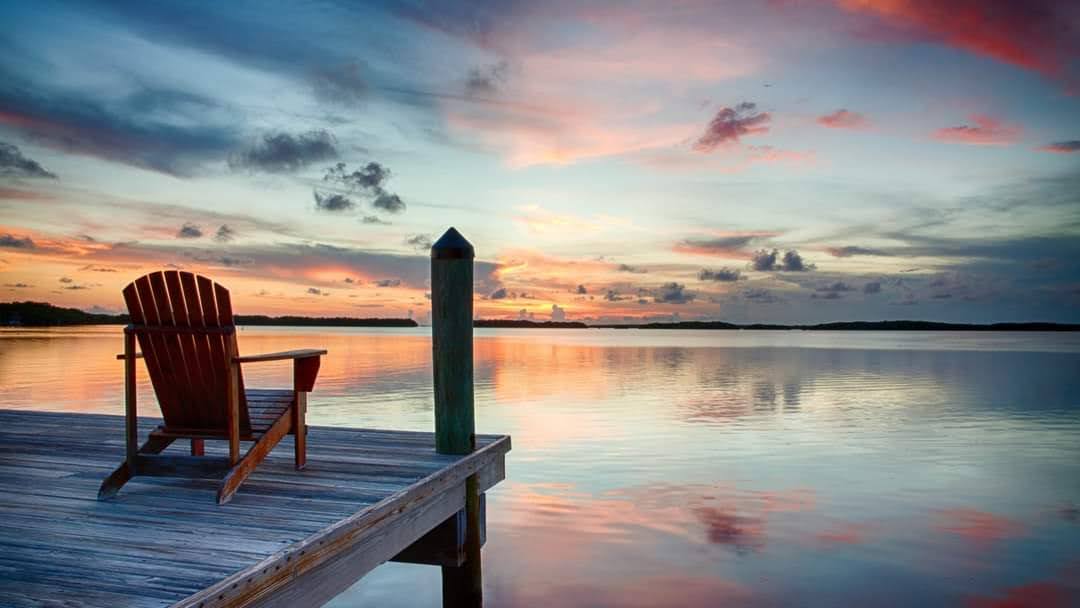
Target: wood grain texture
(365,495)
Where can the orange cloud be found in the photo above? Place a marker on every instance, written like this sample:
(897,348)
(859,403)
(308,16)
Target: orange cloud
(986,131)
(539,220)
(25,195)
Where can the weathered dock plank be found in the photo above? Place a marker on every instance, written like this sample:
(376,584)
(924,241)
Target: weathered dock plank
(287,538)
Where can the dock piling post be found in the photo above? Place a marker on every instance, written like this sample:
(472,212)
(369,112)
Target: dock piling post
(455,426)
(451,340)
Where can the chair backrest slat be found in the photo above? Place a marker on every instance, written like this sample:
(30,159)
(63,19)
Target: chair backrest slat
(196,397)
(188,368)
(146,342)
(225,318)
(209,373)
(165,386)
(182,389)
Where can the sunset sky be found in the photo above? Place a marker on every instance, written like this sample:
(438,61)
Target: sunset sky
(785,161)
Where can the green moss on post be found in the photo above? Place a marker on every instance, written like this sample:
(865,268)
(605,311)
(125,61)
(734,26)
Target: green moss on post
(452,343)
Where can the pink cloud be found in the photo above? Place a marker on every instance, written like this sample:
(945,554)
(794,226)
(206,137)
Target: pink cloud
(562,135)
(843,119)
(1036,35)
(609,90)
(986,131)
(772,155)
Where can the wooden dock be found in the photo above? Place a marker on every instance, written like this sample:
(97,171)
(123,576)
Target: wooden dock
(288,538)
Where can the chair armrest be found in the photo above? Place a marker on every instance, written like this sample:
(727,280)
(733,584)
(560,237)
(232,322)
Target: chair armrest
(304,353)
(122,356)
(305,365)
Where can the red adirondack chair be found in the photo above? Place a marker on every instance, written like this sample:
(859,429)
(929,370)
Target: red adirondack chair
(184,326)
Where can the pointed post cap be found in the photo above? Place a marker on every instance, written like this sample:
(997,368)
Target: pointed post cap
(452,246)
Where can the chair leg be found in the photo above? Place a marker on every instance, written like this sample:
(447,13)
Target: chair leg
(198,447)
(300,430)
(123,473)
(255,455)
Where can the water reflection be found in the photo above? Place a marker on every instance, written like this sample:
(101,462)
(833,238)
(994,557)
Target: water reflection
(698,469)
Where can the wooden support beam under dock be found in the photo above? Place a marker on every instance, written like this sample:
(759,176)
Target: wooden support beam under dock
(288,537)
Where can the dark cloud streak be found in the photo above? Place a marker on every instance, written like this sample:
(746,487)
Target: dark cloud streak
(14,164)
(286,153)
(164,130)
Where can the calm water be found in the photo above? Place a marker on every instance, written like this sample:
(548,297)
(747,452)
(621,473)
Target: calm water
(707,468)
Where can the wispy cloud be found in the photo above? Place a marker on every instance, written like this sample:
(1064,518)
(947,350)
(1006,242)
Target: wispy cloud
(1062,147)
(843,119)
(487,80)
(344,84)
(854,250)
(984,131)
(735,245)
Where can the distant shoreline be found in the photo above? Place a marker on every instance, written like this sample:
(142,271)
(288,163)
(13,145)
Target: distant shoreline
(41,314)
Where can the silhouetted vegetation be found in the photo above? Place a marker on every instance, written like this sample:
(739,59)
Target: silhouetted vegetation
(39,314)
(323,321)
(525,323)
